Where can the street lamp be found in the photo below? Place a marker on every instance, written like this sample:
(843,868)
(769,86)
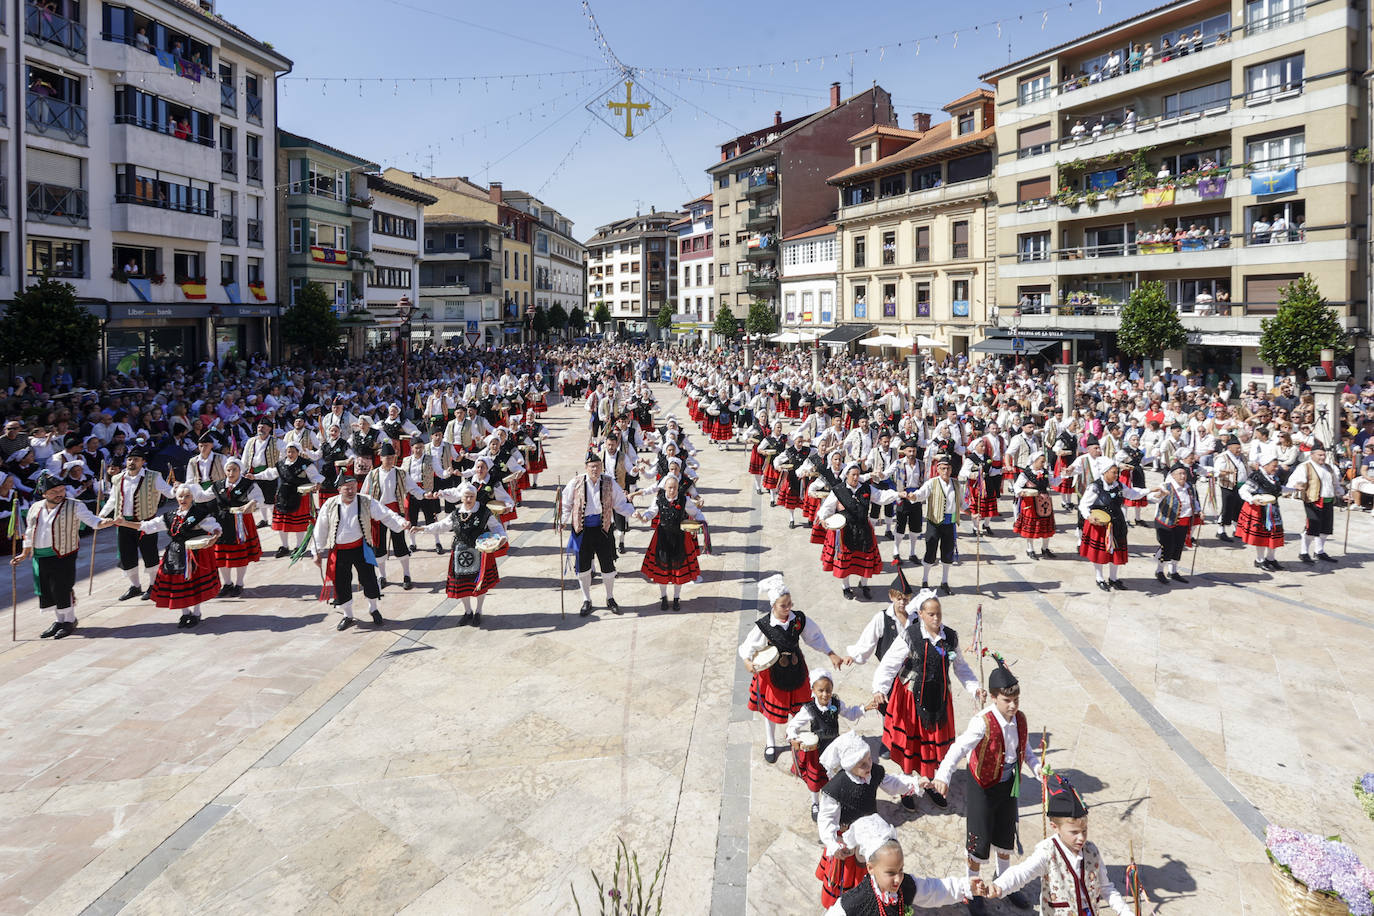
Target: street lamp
(405,309)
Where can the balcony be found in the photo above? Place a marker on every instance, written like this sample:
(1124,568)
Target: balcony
(229,229)
(926,197)
(48,203)
(766,251)
(960,251)
(45,28)
(228,98)
(480,254)
(155,127)
(171,218)
(360,207)
(762,183)
(52,117)
(254,108)
(255,233)
(762,217)
(445,288)
(762,281)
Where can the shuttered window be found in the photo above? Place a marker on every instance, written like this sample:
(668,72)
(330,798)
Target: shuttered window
(1035,189)
(45,167)
(1262,293)
(1032,141)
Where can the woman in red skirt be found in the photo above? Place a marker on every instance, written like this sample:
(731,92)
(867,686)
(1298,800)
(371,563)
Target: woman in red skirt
(471,572)
(1035,505)
(291,512)
(1260,524)
(913,680)
(853,549)
(186,578)
(818,719)
(238,545)
(779,690)
(757,434)
(817,492)
(1104,539)
(791,487)
(772,446)
(1065,451)
(671,557)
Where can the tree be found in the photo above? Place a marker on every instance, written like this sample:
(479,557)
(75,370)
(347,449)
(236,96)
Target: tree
(761,320)
(665,317)
(577,320)
(725,324)
(1303,326)
(1149,323)
(558,317)
(311,322)
(602,316)
(46,324)
(540,321)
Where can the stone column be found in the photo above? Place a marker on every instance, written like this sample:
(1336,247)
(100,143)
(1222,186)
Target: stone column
(913,372)
(748,353)
(1065,375)
(816,363)
(1327,398)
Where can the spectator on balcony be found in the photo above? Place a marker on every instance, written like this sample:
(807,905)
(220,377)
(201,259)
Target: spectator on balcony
(182,129)
(141,40)
(1113,67)
(1164,174)
(1278,229)
(1147,57)
(1098,127)
(131,267)
(1078,130)
(1135,58)
(1259,231)
(1203,303)
(1096,76)
(1222,238)
(1166,50)
(1195,42)
(177,50)
(1222,38)
(1129,123)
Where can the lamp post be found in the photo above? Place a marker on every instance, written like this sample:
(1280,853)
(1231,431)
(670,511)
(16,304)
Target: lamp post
(404,307)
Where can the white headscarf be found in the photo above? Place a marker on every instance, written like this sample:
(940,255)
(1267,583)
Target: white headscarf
(773,588)
(872,833)
(923,596)
(1102,464)
(844,752)
(819,673)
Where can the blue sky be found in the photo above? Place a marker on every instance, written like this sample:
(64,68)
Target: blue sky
(534,134)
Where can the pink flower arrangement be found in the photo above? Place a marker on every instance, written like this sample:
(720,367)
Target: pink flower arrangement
(1324,865)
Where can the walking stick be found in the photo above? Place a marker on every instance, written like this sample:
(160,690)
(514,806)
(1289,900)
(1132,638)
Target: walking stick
(1044,789)
(14,570)
(1345,547)
(558,533)
(90,583)
(978,540)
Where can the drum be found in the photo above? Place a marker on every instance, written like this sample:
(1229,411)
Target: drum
(490,543)
(200,543)
(1265,499)
(1100,517)
(786,466)
(713,411)
(768,452)
(511,478)
(245,509)
(835,522)
(808,741)
(766,657)
(305,488)
(691,527)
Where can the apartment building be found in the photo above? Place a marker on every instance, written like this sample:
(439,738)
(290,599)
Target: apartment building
(916,228)
(393,246)
(141,157)
(1207,144)
(517,271)
(632,266)
(696,299)
(770,183)
(559,260)
(809,263)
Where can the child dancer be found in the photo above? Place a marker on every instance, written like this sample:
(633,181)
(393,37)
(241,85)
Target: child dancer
(820,718)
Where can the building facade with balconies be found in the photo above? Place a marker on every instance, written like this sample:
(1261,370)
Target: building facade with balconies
(517,264)
(145,191)
(1207,144)
(696,288)
(770,183)
(394,245)
(810,261)
(559,261)
(917,224)
(632,267)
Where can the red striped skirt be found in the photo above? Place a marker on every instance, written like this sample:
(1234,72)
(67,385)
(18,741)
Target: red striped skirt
(1064,486)
(404,445)
(466,586)
(774,704)
(509,517)
(177,592)
(770,475)
(1094,546)
(1138,503)
(1250,528)
(248,550)
(911,744)
(840,561)
(807,766)
(810,506)
(789,496)
(299,520)
(755,461)
(683,574)
(538,462)
(983,505)
(720,430)
(1030,525)
(838,876)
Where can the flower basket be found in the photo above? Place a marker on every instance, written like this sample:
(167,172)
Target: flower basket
(1298,900)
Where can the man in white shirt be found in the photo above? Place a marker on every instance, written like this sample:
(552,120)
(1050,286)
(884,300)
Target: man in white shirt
(343,533)
(1319,485)
(588,505)
(51,539)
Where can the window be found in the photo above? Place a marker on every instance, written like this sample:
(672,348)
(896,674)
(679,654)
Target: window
(188,266)
(1262,293)
(1033,88)
(252,94)
(860,244)
(255,270)
(1210,29)
(966,123)
(958,293)
(858,194)
(1032,141)
(254,221)
(892,185)
(136,262)
(1267,81)
(889,249)
(167,191)
(56,187)
(297,236)
(1262,15)
(253,153)
(927,178)
(923,300)
(391,277)
(228,89)
(699,280)
(789,302)
(1107,241)
(889,300)
(724,269)
(827,299)
(229,216)
(228,153)
(151,112)
(1036,189)
(1204,98)
(1197,160)
(56,257)
(400,227)
(959,248)
(723,181)
(860,305)
(1033,246)
(1276,223)
(1184,293)
(969,168)
(1032,299)
(328,235)
(922,249)
(1280,151)
(228,270)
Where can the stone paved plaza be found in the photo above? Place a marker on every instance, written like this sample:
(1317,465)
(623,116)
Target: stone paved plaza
(265,763)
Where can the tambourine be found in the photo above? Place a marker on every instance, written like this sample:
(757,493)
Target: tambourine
(787,466)
(766,657)
(1265,499)
(305,488)
(489,543)
(245,509)
(691,527)
(808,741)
(713,411)
(511,478)
(768,451)
(200,543)
(1100,517)
(822,492)
(835,522)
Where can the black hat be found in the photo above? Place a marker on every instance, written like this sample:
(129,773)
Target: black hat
(1090,440)
(1001,677)
(1317,445)
(900,584)
(46,482)
(206,438)
(386,449)
(71,440)
(1232,439)
(138,451)
(265,420)
(436,428)
(1063,798)
(1178,465)
(911,442)
(592,455)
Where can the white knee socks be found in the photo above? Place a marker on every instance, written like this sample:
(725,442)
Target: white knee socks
(1097,570)
(239,575)
(608,580)
(1113,571)
(770,733)
(584,579)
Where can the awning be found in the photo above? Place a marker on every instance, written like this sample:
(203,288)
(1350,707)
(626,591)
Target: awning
(882,340)
(845,334)
(927,343)
(786,337)
(1224,340)
(1003,346)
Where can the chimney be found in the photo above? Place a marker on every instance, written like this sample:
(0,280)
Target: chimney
(777,119)
(834,95)
(920,121)
(494,192)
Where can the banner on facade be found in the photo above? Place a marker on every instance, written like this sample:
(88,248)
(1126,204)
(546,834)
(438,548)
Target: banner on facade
(1208,188)
(335,256)
(1159,197)
(1282,182)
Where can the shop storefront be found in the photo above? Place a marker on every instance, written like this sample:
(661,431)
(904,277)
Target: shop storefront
(145,335)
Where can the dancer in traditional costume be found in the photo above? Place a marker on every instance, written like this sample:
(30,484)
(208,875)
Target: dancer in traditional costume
(887,890)
(1179,511)
(671,557)
(588,504)
(942,498)
(1261,524)
(1035,505)
(1319,485)
(232,501)
(52,539)
(471,571)
(1104,542)
(186,578)
(853,549)
(135,494)
(260,453)
(343,534)
(813,728)
(389,485)
(295,478)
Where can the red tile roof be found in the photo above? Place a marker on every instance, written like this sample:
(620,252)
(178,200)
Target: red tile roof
(938,140)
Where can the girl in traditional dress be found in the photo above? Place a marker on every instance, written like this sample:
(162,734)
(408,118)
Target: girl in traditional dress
(671,557)
(185,579)
(1134,472)
(790,485)
(471,572)
(831,470)
(1261,524)
(238,545)
(334,459)
(853,550)
(772,446)
(1104,537)
(291,512)
(757,434)
(1065,451)
(490,494)
(530,437)
(1035,505)
(819,719)
(779,690)
(887,890)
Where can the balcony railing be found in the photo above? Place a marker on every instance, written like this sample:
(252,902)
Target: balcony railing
(229,228)
(4,195)
(50,203)
(922,253)
(47,115)
(1296,14)
(762,182)
(254,108)
(228,97)
(179,206)
(254,171)
(479,254)
(164,129)
(229,162)
(960,250)
(255,233)
(48,28)
(761,216)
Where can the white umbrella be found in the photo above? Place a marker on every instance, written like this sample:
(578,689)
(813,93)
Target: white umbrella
(882,340)
(925,341)
(808,336)
(903,343)
(785,337)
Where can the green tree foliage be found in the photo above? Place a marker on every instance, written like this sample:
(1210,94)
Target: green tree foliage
(725,323)
(1303,326)
(761,319)
(602,316)
(577,320)
(558,317)
(45,324)
(665,317)
(1149,323)
(540,321)
(311,323)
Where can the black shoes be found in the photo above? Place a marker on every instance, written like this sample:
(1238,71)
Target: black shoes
(1047,553)
(1223,536)
(438,548)
(184,622)
(936,798)
(1118,585)
(147,594)
(791,524)
(849,593)
(1030,554)
(1163,579)
(909,802)
(613,607)
(1103,585)
(622,549)
(50,631)
(407,584)
(377,618)
(890,536)
(677,604)
(192,621)
(663,602)
(262,524)
(64,629)
(466,619)
(133,592)
(476,618)
(1177,578)
(282,552)
(1304,558)
(586,609)
(944,589)
(863,590)
(770,754)
(1323,556)
(345,623)
(381,583)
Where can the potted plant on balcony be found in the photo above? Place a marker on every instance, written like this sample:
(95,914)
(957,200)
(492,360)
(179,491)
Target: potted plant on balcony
(158,279)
